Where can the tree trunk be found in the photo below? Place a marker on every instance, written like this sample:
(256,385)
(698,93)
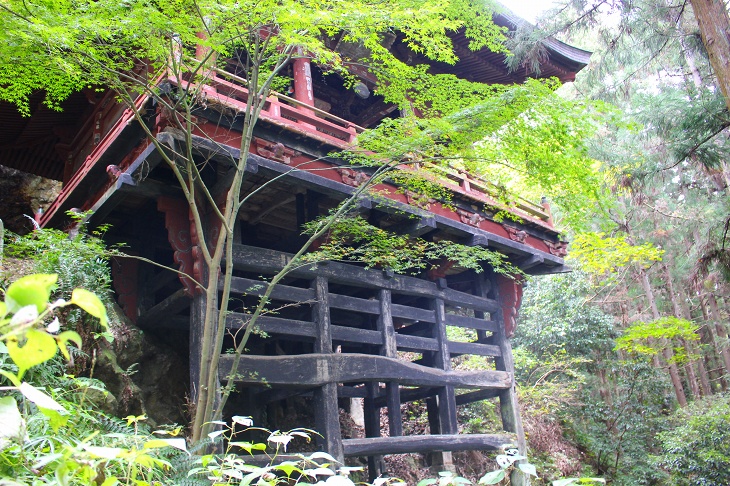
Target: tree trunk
(691,377)
(701,369)
(720,330)
(667,351)
(714,24)
(715,368)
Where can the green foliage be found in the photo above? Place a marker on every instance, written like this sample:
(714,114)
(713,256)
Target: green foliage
(696,450)
(71,45)
(646,338)
(231,466)
(524,139)
(354,239)
(79,262)
(600,254)
(48,433)
(510,462)
(555,315)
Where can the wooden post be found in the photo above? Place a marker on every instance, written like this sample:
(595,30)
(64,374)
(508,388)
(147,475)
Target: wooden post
(389,349)
(327,412)
(303,89)
(509,408)
(376,465)
(446,397)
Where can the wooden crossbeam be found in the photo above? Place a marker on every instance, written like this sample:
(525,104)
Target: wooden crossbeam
(309,370)
(424,443)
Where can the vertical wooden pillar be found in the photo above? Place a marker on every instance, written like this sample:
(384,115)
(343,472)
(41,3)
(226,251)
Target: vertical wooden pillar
(509,408)
(327,413)
(389,349)
(303,89)
(446,397)
(376,465)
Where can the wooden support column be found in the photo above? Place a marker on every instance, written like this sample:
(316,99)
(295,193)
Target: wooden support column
(389,349)
(303,89)
(327,413)
(376,465)
(509,408)
(446,398)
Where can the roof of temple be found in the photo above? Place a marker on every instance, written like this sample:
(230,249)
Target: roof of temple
(39,144)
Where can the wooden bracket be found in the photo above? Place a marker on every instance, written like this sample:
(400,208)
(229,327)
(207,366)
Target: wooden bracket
(183,241)
(510,293)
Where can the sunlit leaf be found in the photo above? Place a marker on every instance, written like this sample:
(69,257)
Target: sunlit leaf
(104,452)
(55,419)
(38,348)
(91,304)
(63,339)
(157,443)
(26,315)
(528,469)
(40,398)
(11,422)
(245,421)
(30,290)
(492,477)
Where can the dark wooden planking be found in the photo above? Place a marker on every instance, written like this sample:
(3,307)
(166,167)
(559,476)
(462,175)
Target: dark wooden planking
(354,335)
(167,308)
(448,423)
(309,370)
(291,327)
(274,325)
(508,406)
(271,261)
(529,262)
(410,395)
(281,292)
(424,443)
(416,343)
(457,348)
(351,392)
(390,349)
(476,396)
(413,313)
(418,329)
(470,322)
(355,304)
(321,314)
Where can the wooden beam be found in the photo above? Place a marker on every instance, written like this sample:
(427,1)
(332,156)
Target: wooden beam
(424,443)
(476,396)
(410,395)
(309,370)
(442,359)
(457,349)
(271,261)
(167,308)
(280,292)
(471,322)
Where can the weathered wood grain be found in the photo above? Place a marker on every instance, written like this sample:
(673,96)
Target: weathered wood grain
(309,370)
(424,443)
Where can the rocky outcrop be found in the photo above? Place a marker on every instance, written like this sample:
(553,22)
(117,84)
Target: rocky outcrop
(22,194)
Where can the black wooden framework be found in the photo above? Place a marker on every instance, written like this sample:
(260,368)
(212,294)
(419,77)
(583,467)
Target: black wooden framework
(347,338)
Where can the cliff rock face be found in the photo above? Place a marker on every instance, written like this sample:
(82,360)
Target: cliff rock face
(22,193)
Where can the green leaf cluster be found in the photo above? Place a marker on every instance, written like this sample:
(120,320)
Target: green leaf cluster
(696,450)
(354,239)
(647,338)
(600,254)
